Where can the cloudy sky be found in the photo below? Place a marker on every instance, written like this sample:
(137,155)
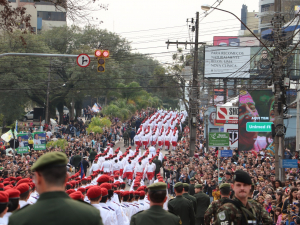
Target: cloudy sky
(149,24)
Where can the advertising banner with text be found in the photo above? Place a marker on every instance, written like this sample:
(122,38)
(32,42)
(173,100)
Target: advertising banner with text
(256,115)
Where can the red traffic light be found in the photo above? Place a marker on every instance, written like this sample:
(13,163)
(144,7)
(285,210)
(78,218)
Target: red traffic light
(105,53)
(98,53)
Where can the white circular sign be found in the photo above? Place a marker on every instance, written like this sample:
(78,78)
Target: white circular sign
(83,60)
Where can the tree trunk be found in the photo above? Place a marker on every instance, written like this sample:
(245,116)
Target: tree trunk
(60,109)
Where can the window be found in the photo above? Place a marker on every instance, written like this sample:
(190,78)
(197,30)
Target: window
(265,8)
(26,0)
(52,16)
(12,1)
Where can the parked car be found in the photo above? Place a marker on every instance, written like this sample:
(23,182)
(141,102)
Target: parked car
(28,116)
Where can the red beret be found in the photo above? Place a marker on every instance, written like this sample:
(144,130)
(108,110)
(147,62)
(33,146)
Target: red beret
(142,193)
(81,189)
(6,179)
(160,179)
(32,185)
(104,191)
(23,188)
(13,193)
(77,195)
(25,180)
(12,178)
(106,185)
(1,186)
(77,178)
(88,187)
(117,192)
(3,197)
(6,183)
(70,191)
(136,193)
(84,179)
(8,187)
(122,182)
(103,179)
(135,185)
(94,192)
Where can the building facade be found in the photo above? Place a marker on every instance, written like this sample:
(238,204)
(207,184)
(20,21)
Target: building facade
(44,15)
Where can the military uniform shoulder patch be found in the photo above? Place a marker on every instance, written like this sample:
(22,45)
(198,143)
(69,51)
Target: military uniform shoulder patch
(222,215)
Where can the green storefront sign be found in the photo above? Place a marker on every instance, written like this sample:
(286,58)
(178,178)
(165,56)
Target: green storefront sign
(259,127)
(218,140)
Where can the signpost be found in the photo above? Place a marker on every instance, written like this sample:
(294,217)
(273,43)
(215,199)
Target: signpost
(259,126)
(226,153)
(83,60)
(289,163)
(218,140)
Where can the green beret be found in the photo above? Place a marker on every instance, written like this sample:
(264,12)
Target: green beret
(192,179)
(186,185)
(178,184)
(50,159)
(159,186)
(198,186)
(225,185)
(242,176)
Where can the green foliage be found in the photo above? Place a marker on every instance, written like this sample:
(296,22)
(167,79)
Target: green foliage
(60,143)
(97,124)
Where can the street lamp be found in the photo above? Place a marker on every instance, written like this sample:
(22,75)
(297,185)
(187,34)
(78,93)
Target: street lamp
(207,7)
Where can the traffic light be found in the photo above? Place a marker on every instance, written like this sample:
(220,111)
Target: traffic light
(101,56)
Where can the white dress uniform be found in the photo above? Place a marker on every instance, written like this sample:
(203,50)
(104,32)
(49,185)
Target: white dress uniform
(141,203)
(146,203)
(138,169)
(94,167)
(122,219)
(152,151)
(106,167)
(126,210)
(6,217)
(116,166)
(2,221)
(106,215)
(22,203)
(34,196)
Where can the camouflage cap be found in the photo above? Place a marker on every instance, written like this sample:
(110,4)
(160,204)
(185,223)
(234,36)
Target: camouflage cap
(159,186)
(50,159)
(192,179)
(178,184)
(225,185)
(186,185)
(198,186)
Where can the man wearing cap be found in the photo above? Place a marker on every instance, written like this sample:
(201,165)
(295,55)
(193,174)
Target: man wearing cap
(215,205)
(157,194)
(192,186)
(54,205)
(203,202)
(189,197)
(3,206)
(158,165)
(239,211)
(227,178)
(181,206)
(76,161)
(24,194)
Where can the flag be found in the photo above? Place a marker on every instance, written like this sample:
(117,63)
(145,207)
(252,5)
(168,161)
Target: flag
(15,133)
(81,171)
(95,108)
(7,136)
(16,125)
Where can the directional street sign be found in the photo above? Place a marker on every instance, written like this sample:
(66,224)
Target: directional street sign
(218,140)
(187,130)
(83,60)
(226,153)
(259,126)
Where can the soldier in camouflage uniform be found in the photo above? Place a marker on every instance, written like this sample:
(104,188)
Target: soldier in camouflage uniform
(126,138)
(215,205)
(240,211)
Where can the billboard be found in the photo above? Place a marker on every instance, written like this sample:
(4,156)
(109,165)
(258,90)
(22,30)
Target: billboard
(235,41)
(23,143)
(227,114)
(222,62)
(256,111)
(39,140)
(238,62)
(233,130)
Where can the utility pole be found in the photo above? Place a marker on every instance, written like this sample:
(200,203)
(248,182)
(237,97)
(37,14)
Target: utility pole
(297,117)
(195,89)
(47,98)
(279,92)
(193,107)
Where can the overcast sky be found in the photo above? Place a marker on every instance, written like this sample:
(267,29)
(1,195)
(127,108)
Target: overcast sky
(149,24)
